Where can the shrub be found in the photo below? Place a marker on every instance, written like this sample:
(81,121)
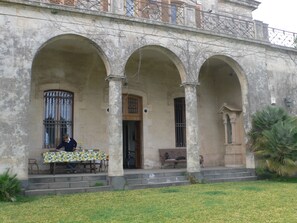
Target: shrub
(98,184)
(274,140)
(280,149)
(265,173)
(264,120)
(9,187)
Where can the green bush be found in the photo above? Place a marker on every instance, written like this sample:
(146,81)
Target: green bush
(98,184)
(265,174)
(280,149)
(274,140)
(264,120)
(10,186)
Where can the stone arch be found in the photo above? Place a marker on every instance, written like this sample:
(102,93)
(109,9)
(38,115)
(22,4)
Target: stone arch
(155,73)
(72,63)
(77,38)
(239,73)
(70,43)
(170,55)
(222,93)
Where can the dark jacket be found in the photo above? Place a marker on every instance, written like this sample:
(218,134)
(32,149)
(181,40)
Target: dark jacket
(68,146)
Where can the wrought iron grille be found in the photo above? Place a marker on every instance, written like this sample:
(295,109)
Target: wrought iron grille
(222,24)
(133,105)
(92,5)
(155,10)
(180,122)
(58,110)
(282,38)
(174,13)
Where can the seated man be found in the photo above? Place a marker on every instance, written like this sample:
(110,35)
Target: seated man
(69,145)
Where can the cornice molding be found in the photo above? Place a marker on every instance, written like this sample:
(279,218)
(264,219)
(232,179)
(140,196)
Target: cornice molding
(248,3)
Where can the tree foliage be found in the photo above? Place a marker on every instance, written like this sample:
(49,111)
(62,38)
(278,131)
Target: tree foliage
(274,140)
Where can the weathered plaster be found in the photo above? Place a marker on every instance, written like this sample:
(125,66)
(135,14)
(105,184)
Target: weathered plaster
(115,128)
(193,142)
(170,56)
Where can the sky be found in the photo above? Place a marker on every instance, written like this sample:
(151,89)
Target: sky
(281,14)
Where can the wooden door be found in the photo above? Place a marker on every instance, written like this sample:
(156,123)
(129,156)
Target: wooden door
(132,122)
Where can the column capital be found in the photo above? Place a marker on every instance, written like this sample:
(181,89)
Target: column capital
(191,84)
(115,77)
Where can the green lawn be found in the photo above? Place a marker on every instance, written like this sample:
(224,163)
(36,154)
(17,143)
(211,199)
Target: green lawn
(259,201)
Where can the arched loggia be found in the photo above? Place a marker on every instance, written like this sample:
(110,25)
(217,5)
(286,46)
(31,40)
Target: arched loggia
(222,100)
(68,65)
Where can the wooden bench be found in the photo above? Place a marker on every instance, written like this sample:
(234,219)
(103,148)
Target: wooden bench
(173,156)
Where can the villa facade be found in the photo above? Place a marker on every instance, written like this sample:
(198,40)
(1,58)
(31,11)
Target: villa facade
(131,77)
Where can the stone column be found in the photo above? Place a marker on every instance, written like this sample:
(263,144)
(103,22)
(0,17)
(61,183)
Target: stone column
(115,133)
(193,165)
(226,129)
(233,128)
(261,31)
(190,16)
(117,7)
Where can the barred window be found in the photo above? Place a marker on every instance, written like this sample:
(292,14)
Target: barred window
(229,129)
(58,116)
(180,122)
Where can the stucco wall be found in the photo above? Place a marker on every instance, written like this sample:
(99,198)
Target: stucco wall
(259,68)
(282,70)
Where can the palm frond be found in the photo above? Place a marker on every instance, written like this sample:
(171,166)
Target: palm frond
(274,140)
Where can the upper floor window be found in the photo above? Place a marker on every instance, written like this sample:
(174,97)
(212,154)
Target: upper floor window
(58,116)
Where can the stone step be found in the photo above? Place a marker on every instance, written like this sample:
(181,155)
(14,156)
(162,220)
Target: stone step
(156,180)
(227,175)
(65,178)
(155,175)
(226,170)
(65,184)
(231,179)
(58,191)
(156,185)
(80,183)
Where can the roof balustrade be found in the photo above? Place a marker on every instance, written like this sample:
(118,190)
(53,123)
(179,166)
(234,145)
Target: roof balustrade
(181,14)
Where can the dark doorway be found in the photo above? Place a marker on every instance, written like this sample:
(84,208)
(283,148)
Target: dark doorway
(131,144)
(132,125)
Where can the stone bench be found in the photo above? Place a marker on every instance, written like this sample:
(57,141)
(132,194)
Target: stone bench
(173,156)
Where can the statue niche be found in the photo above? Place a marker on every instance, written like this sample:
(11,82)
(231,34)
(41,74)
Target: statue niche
(233,135)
